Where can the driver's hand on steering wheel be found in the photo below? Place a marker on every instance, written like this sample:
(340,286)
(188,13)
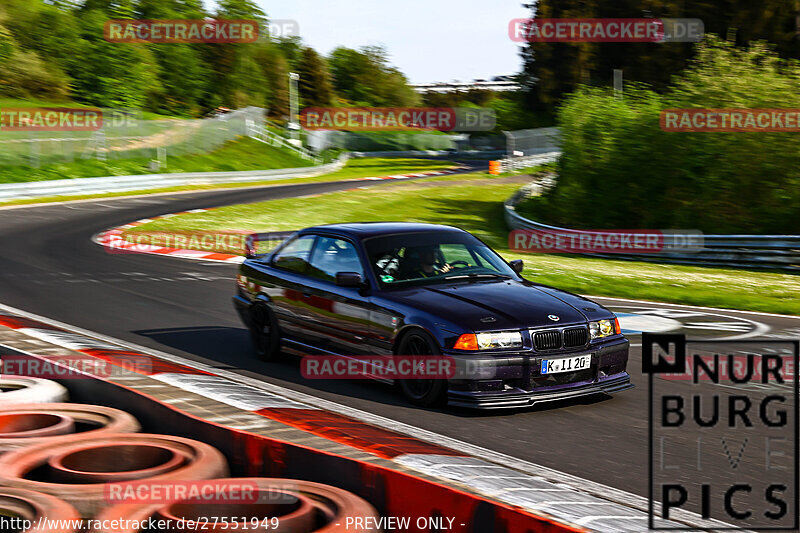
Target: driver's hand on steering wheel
(445,268)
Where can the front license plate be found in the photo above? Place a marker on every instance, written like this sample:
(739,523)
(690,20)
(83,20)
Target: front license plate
(567,364)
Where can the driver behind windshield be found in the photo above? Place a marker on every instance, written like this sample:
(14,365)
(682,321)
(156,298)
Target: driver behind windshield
(422,262)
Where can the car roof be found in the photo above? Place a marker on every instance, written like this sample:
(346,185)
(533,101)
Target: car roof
(363,230)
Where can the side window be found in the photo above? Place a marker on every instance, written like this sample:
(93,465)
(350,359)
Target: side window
(294,256)
(333,255)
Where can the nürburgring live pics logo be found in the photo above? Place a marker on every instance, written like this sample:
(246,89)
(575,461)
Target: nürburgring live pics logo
(723,431)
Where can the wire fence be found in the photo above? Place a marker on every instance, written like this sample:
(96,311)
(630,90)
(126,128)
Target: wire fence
(319,140)
(124,135)
(523,143)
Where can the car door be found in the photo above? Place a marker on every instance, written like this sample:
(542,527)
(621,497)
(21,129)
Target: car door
(287,288)
(339,315)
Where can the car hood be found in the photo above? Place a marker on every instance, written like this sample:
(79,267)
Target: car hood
(496,305)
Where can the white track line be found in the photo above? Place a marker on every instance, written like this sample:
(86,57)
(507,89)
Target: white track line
(650,302)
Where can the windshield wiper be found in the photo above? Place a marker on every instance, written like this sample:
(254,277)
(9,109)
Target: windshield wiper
(475,276)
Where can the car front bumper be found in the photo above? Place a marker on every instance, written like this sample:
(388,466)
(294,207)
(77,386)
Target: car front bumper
(514,380)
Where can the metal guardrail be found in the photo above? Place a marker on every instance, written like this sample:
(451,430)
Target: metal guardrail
(518,163)
(441,154)
(80,186)
(771,252)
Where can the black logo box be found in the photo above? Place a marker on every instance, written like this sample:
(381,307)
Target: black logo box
(649,340)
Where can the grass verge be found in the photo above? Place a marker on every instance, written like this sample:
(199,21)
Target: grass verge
(474,203)
(240,154)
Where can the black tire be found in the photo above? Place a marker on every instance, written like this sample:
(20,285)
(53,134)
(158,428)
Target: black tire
(421,392)
(264,333)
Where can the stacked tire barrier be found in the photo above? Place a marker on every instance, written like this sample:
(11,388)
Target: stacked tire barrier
(26,425)
(270,436)
(33,506)
(59,462)
(292,506)
(20,389)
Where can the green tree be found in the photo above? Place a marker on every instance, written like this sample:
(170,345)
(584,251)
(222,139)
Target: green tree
(237,79)
(552,70)
(365,77)
(240,10)
(276,71)
(111,74)
(25,75)
(118,9)
(164,9)
(8,46)
(616,155)
(292,50)
(315,80)
(183,73)
(184,80)
(52,32)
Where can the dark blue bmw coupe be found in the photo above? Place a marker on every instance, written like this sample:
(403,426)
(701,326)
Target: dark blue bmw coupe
(392,289)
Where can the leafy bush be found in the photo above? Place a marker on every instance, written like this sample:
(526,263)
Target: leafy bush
(25,75)
(620,170)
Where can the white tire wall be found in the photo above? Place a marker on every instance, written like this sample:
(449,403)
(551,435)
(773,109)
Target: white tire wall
(21,389)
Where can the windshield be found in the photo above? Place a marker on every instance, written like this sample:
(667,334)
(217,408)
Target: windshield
(432,257)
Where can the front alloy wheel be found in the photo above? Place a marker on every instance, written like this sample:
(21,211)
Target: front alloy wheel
(422,392)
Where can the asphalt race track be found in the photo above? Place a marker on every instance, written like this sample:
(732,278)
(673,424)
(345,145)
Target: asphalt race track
(49,266)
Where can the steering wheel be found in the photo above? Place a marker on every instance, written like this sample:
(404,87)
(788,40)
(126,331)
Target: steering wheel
(462,264)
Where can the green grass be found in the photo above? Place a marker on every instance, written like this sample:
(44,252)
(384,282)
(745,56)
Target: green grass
(355,168)
(364,167)
(474,202)
(240,154)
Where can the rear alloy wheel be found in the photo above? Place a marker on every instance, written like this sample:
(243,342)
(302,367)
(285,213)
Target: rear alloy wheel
(264,333)
(422,392)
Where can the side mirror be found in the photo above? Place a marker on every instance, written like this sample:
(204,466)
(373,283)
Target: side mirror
(349,279)
(517,265)
(250,243)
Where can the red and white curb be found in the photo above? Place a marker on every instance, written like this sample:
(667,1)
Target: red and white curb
(113,240)
(537,489)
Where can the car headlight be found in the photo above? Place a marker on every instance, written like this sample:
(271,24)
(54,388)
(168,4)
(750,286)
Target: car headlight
(489,341)
(603,328)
